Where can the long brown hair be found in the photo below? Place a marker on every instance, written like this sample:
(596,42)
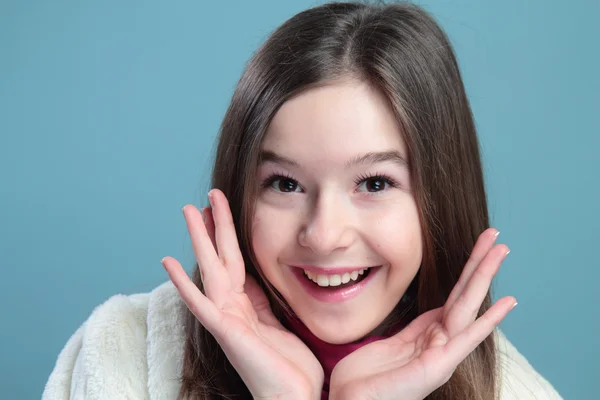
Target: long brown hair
(400,50)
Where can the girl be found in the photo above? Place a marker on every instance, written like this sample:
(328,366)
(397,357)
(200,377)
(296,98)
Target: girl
(346,252)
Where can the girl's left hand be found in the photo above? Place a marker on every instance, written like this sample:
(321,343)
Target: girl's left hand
(423,356)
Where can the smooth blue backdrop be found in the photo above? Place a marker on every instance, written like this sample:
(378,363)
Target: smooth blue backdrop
(108,115)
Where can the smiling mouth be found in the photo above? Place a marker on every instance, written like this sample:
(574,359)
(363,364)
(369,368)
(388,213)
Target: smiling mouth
(337,281)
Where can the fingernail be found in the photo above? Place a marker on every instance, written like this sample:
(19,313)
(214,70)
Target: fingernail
(210,197)
(497,233)
(514,305)
(507,253)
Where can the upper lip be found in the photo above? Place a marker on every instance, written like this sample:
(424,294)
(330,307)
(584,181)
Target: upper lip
(331,270)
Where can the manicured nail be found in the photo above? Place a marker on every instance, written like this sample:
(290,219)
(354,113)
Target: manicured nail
(497,233)
(210,197)
(514,305)
(507,253)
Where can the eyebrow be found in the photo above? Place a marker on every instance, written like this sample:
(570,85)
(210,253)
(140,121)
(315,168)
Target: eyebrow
(367,158)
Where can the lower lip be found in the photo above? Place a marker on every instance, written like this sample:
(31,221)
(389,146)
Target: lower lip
(329,295)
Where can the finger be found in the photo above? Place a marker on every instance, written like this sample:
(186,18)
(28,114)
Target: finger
(461,345)
(210,230)
(204,310)
(464,310)
(419,324)
(260,303)
(214,276)
(484,244)
(226,239)
(209,223)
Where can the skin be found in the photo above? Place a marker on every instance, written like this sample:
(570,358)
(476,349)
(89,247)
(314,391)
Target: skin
(329,219)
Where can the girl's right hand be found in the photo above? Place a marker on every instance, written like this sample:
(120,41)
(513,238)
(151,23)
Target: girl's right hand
(272,362)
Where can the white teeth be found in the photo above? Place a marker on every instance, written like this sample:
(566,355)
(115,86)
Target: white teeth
(334,280)
(322,280)
(346,278)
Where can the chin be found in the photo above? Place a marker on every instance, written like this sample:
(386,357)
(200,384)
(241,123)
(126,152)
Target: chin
(335,338)
(341,333)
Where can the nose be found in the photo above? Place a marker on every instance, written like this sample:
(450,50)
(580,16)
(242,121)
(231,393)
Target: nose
(328,226)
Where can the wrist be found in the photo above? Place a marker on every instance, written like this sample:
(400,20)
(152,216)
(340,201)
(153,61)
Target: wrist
(298,395)
(289,396)
(347,393)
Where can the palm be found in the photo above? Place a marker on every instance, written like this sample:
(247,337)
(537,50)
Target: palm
(400,364)
(423,356)
(247,332)
(271,361)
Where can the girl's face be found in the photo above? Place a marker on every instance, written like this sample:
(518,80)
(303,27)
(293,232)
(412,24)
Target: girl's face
(335,198)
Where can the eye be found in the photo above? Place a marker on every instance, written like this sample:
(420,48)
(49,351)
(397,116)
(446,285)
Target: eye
(376,183)
(281,182)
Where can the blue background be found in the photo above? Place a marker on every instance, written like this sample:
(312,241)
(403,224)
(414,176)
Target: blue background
(108,115)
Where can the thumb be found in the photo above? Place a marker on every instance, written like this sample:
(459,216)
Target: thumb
(260,303)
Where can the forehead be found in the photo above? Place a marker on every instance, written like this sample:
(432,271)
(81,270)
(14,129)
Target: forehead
(337,120)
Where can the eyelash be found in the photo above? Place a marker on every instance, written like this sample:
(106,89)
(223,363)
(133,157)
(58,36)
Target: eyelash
(361,178)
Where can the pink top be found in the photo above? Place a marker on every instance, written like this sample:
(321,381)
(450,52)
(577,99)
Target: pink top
(328,354)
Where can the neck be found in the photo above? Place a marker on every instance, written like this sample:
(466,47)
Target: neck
(330,354)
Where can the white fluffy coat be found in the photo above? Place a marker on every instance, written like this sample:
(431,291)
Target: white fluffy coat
(131,347)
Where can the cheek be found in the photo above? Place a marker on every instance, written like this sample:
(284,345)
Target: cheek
(398,236)
(260,233)
(268,239)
